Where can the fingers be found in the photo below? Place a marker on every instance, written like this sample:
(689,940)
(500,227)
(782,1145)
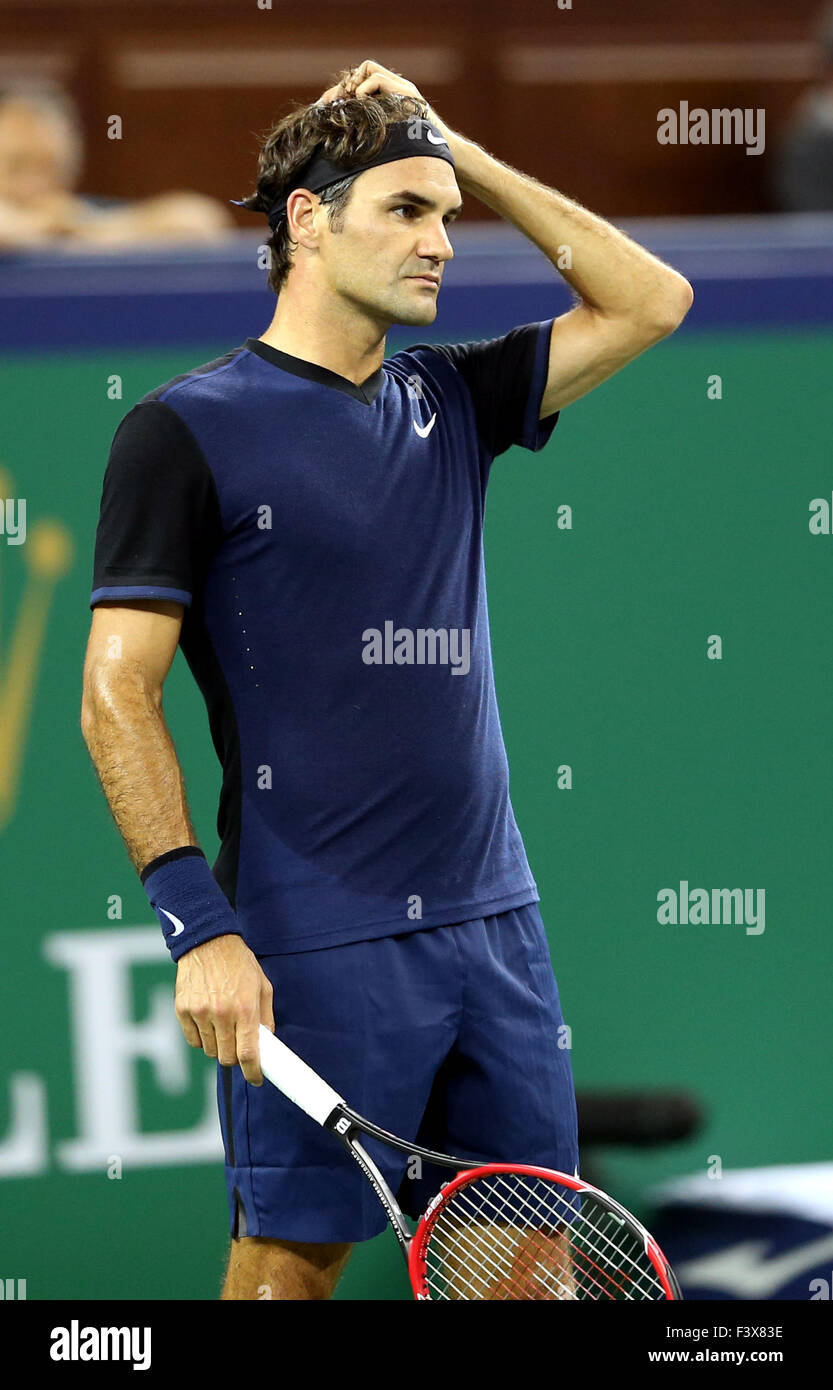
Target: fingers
(230,1041)
(346,85)
(225,1028)
(248,1038)
(371,67)
(364,80)
(189,1028)
(267,1015)
(248,1052)
(244,1043)
(199,1030)
(222,997)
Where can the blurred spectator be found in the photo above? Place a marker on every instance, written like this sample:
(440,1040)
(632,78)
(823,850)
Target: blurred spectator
(802,170)
(41,154)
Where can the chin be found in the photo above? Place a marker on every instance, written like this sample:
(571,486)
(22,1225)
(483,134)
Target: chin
(416,314)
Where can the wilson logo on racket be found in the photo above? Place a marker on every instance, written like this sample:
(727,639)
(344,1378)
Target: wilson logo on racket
(435,1201)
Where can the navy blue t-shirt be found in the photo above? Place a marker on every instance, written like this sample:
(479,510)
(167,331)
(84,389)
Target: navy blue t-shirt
(325,540)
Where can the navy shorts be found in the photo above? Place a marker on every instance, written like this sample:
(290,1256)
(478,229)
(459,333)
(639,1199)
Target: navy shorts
(451,1036)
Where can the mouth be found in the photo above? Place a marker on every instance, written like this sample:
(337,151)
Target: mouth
(427,280)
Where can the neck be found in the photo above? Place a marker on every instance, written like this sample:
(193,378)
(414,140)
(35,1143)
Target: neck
(330,332)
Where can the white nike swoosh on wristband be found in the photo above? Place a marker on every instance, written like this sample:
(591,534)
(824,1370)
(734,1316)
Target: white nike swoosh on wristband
(178,926)
(433,139)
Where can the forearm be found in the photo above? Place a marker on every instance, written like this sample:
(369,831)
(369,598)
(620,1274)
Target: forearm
(137,765)
(222,994)
(20,229)
(607,269)
(167,217)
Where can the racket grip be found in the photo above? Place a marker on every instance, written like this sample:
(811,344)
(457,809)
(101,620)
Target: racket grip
(286,1070)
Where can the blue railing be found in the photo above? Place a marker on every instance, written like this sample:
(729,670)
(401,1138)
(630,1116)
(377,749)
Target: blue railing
(747,272)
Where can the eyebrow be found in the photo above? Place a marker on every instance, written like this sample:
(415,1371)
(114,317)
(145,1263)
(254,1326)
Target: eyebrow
(408,196)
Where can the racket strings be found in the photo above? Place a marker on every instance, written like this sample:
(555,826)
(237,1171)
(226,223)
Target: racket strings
(621,1267)
(606,1225)
(516,1236)
(493,1265)
(548,1227)
(459,1234)
(497,1232)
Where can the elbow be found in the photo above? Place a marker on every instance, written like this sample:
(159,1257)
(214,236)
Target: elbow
(97,696)
(673,307)
(88,713)
(684,301)
(109,697)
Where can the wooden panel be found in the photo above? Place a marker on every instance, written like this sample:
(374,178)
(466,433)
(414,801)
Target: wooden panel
(570,96)
(602,148)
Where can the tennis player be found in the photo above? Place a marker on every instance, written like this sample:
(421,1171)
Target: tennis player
(303,516)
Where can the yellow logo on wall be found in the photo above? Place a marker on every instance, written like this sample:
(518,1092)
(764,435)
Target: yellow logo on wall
(47,554)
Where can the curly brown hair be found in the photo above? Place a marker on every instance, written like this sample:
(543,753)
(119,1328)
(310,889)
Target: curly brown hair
(355,128)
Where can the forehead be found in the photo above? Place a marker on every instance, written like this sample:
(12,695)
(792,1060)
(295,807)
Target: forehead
(423,173)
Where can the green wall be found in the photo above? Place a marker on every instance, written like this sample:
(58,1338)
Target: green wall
(689,518)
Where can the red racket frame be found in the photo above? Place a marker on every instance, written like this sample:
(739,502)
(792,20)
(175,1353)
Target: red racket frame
(417,1269)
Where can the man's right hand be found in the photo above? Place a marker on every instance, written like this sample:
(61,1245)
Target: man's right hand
(222,995)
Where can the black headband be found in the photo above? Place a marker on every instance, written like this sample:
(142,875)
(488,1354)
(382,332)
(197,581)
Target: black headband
(404,140)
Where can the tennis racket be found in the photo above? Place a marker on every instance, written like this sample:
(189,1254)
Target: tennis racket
(495,1230)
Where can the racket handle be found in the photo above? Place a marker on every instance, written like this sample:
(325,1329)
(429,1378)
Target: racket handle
(286,1070)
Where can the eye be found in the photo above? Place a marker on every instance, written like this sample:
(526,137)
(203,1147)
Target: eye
(414,211)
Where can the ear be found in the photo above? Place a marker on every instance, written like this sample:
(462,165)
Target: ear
(301,207)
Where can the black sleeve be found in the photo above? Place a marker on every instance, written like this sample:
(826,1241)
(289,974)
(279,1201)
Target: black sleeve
(159,523)
(506,377)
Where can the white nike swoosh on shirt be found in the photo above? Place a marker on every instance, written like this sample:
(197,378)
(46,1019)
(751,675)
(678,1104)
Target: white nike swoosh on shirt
(178,926)
(424,430)
(436,140)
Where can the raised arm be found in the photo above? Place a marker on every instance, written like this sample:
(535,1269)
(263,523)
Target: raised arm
(627,299)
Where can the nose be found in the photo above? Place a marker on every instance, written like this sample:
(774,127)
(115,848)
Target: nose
(435,245)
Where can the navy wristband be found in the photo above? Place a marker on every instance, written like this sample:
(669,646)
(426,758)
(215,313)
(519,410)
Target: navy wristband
(187,899)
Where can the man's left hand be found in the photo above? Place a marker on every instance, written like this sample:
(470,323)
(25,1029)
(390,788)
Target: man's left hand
(371,77)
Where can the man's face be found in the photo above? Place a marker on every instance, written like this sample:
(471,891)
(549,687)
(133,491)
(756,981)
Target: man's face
(394,230)
(38,153)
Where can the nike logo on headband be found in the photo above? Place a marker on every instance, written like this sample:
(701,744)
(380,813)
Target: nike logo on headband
(435,139)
